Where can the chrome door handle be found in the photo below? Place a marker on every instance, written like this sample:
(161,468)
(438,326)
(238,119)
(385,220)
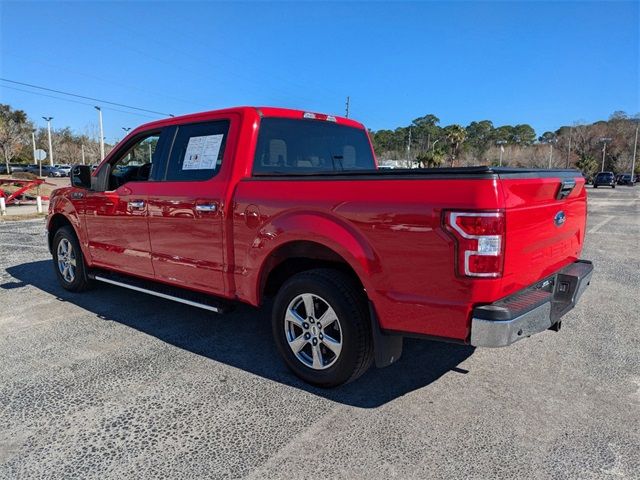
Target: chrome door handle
(136,204)
(207,207)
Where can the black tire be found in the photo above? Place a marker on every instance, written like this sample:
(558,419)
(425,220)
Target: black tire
(79,281)
(595,186)
(349,303)
(613,186)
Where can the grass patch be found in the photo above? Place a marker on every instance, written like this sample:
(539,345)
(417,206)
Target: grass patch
(26,216)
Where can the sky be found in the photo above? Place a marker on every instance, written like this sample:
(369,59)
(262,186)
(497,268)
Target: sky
(543,63)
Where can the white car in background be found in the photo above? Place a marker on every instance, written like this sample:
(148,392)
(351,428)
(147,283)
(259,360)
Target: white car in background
(65,169)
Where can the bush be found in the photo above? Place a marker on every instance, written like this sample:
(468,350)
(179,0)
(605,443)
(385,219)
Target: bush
(24,176)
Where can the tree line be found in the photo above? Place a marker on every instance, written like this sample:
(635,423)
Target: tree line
(16,140)
(423,143)
(426,143)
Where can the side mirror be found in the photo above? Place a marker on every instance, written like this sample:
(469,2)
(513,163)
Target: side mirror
(100,181)
(81,176)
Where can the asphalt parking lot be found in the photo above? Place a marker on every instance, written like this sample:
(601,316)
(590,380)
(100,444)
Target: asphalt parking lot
(115,384)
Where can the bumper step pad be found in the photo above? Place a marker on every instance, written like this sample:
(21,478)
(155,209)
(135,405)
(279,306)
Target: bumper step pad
(532,310)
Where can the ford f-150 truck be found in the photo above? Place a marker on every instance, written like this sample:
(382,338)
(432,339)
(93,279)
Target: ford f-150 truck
(246,204)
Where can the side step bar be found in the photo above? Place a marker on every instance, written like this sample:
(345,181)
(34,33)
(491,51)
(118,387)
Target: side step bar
(186,297)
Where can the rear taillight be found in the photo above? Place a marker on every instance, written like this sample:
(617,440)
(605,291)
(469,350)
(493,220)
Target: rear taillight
(479,242)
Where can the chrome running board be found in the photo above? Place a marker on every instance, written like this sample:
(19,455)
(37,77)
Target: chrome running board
(167,296)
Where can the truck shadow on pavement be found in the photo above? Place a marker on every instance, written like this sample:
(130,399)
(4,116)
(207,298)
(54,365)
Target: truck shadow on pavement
(243,340)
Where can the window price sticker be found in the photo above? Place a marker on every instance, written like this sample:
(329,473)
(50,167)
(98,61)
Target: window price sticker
(202,152)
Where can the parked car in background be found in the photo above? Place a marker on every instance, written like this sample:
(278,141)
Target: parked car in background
(49,171)
(606,179)
(32,168)
(65,169)
(18,167)
(626,179)
(46,171)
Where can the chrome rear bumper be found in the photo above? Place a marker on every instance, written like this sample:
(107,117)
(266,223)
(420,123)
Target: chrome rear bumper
(532,310)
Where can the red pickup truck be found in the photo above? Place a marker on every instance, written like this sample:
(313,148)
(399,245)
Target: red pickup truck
(246,204)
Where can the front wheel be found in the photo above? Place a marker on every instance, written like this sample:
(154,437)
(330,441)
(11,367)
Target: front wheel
(320,324)
(68,261)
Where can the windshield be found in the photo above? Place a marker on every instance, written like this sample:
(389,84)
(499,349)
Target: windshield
(308,146)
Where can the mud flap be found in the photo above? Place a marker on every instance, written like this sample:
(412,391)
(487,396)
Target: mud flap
(387,348)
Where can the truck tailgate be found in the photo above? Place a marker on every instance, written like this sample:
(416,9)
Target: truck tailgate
(546,219)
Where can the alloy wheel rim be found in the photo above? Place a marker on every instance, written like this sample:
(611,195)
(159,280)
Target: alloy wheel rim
(66,260)
(313,331)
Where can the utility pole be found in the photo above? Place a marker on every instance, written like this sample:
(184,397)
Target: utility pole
(35,160)
(33,139)
(101,133)
(569,150)
(551,142)
(82,148)
(501,143)
(635,149)
(126,130)
(409,150)
(604,140)
(347,107)
(48,120)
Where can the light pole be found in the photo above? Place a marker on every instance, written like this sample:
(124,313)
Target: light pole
(82,148)
(126,130)
(48,120)
(101,133)
(604,140)
(501,143)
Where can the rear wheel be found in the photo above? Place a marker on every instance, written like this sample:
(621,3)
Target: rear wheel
(321,327)
(68,261)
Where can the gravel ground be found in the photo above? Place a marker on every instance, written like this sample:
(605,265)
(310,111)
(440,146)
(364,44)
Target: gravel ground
(117,384)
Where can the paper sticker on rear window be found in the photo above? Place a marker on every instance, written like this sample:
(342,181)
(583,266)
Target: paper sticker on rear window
(202,152)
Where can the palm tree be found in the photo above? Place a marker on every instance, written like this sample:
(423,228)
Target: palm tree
(455,135)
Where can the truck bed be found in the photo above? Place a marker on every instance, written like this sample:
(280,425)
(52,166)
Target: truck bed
(405,255)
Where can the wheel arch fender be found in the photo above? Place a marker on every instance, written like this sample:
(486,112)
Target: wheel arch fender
(64,213)
(328,232)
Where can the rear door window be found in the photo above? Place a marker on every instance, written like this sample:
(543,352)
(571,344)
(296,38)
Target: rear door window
(289,146)
(197,151)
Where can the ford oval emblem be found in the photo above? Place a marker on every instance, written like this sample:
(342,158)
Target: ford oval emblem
(559,219)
